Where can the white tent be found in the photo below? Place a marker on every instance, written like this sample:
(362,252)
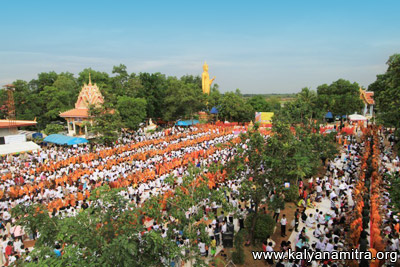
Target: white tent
(357,117)
(18,148)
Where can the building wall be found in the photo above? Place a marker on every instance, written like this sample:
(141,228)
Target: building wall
(4,132)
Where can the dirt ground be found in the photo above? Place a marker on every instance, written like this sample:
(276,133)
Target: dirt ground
(289,210)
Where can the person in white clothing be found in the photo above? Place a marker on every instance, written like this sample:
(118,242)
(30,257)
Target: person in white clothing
(283,225)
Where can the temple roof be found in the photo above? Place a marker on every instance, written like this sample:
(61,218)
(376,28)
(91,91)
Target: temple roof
(16,123)
(76,113)
(370,97)
(89,95)
(367,97)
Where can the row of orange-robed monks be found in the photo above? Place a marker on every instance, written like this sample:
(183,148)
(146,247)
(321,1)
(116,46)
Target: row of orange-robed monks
(132,179)
(52,166)
(87,158)
(211,179)
(376,237)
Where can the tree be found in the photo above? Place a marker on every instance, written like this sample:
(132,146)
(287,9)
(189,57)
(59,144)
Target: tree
(259,104)
(44,79)
(153,90)
(55,101)
(289,154)
(214,98)
(28,104)
(182,99)
(303,109)
(106,123)
(340,97)
(53,129)
(275,103)
(190,79)
(133,86)
(112,231)
(256,182)
(233,108)
(387,94)
(265,225)
(394,189)
(108,233)
(118,83)
(67,83)
(238,256)
(190,195)
(132,111)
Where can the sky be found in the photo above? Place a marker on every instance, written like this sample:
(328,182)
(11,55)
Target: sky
(256,46)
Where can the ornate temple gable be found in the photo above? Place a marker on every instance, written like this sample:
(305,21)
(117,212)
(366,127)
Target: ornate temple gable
(89,95)
(367,97)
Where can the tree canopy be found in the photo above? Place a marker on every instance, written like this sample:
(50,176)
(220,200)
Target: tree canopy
(387,93)
(340,97)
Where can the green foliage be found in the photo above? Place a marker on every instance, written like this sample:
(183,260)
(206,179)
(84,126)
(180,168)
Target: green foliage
(287,155)
(340,97)
(394,189)
(96,236)
(132,110)
(259,104)
(214,99)
(53,129)
(238,256)
(275,103)
(303,109)
(292,194)
(106,123)
(233,107)
(153,90)
(264,225)
(55,101)
(183,98)
(37,221)
(387,94)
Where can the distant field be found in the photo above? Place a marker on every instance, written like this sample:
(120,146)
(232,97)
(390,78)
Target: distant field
(281,97)
(271,95)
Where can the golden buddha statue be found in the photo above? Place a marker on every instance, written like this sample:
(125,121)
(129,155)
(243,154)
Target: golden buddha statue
(205,78)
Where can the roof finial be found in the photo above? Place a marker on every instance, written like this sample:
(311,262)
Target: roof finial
(90,80)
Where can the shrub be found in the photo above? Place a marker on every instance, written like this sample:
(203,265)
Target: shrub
(292,194)
(264,226)
(238,256)
(53,129)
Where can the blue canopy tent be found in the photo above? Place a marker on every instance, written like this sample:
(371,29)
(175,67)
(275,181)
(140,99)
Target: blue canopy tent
(214,110)
(60,139)
(186,123)
(329,115)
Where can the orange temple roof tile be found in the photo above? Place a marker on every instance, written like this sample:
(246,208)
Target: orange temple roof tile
(75,113)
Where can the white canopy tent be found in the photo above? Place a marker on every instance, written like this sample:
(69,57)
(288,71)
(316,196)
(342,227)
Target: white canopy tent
(18,148)
(357,117)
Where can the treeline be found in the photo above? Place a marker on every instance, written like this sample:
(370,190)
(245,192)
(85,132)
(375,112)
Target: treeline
(387,95)
(155,95)
(135,97)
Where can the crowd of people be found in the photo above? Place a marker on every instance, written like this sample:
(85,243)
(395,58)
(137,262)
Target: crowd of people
(326,218)
(62,178)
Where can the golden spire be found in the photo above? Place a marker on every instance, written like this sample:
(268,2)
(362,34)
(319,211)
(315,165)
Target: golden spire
(90,80)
